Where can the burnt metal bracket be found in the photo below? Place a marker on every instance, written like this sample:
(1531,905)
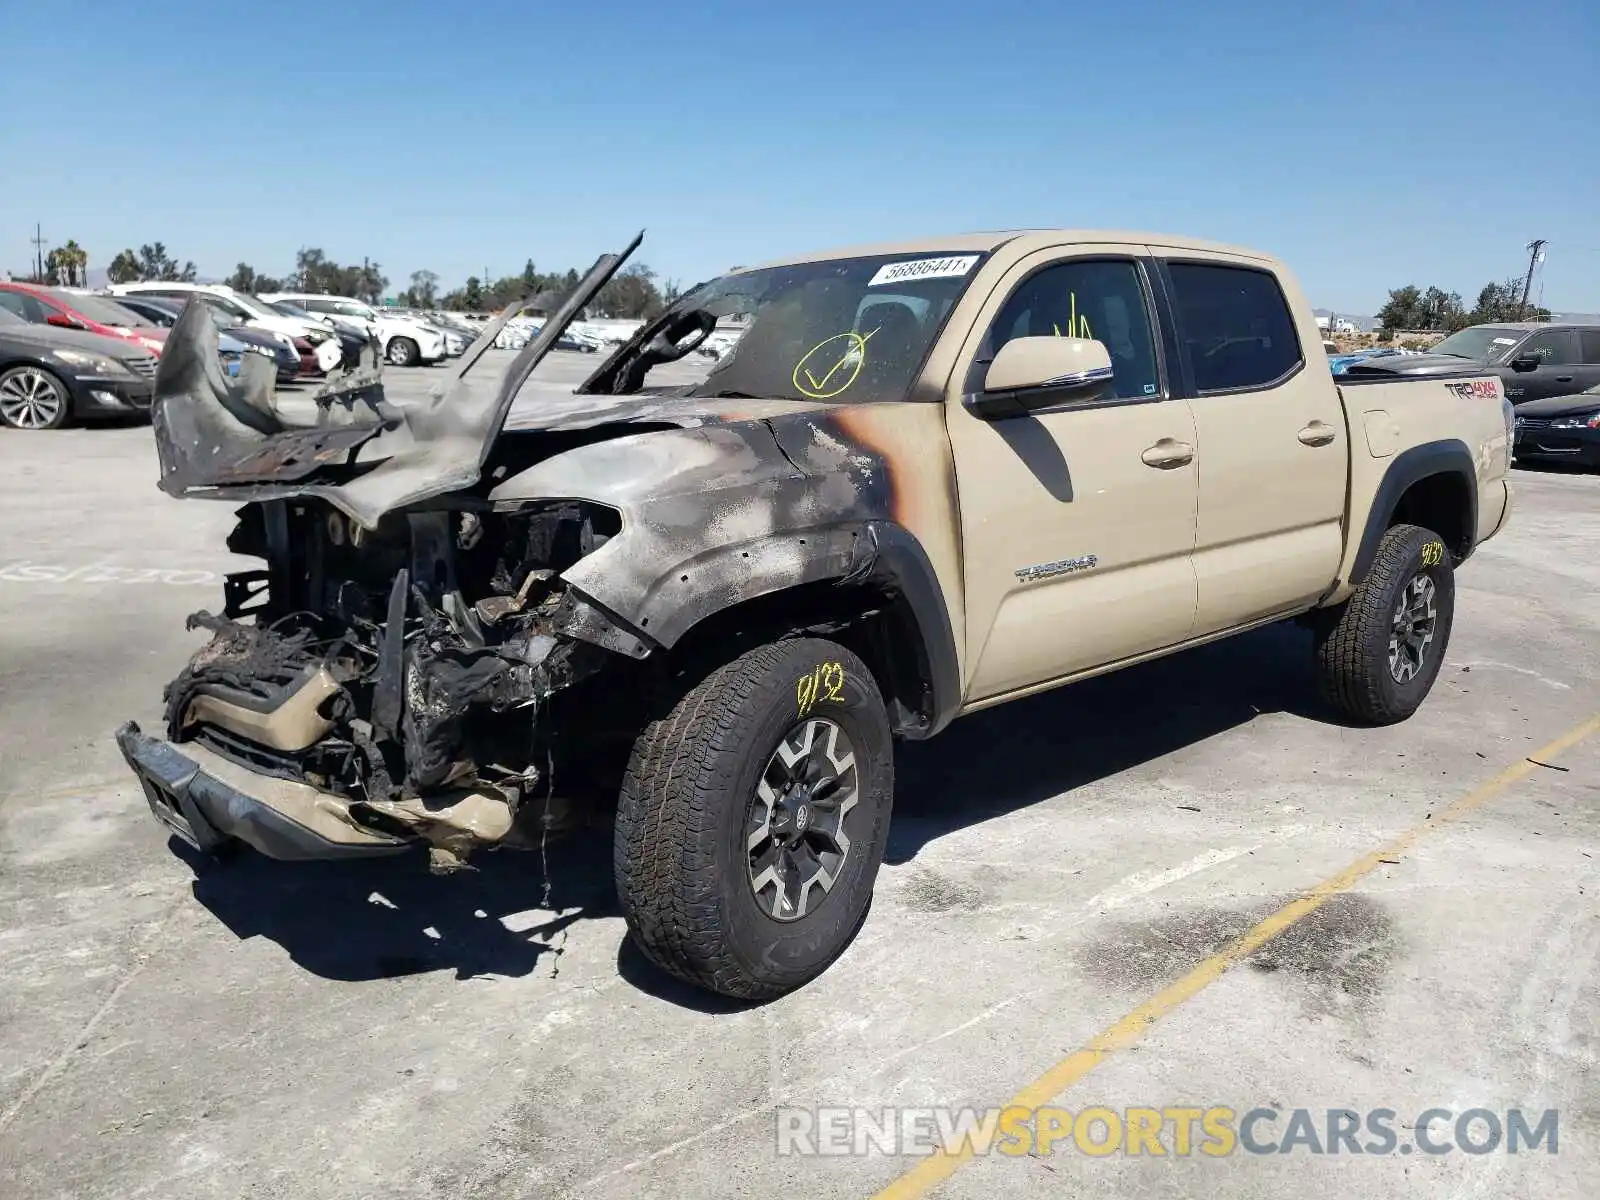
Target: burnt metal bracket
(242,587)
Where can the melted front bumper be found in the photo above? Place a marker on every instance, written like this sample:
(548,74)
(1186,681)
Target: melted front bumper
(206,801)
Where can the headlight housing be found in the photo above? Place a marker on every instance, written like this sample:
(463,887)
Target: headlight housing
(98,364)
(1591,421)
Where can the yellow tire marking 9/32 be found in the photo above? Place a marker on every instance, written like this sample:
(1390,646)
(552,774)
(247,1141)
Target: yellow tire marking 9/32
(1131,1028)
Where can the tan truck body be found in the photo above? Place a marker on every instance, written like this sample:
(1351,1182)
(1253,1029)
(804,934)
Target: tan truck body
(1264,521)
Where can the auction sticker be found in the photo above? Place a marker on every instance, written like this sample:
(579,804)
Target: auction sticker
(950,267)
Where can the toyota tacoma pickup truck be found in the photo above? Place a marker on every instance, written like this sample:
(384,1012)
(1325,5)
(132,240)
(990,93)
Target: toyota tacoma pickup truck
(926,479)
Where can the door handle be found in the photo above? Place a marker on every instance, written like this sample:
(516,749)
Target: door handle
(1318,434)
(1167,453)
(1563,378)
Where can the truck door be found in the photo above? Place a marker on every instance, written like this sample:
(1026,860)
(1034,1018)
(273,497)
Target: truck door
(1270,442)
(1077,523)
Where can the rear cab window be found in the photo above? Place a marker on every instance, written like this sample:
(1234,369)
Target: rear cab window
(1235,326)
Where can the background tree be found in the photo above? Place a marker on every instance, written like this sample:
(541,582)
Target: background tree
(1411,307)
(632,293)
(67,265)
(1503,302)
(245,279)
(124,268)
(423,292)
(319,274)
(156,264)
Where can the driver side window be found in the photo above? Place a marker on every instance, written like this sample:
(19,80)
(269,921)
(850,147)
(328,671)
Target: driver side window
(1102,299)
(1552,347)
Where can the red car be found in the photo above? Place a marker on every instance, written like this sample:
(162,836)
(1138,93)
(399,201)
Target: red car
(80,310)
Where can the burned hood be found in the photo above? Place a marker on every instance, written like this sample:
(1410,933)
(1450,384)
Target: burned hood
(346,443)
(553,407)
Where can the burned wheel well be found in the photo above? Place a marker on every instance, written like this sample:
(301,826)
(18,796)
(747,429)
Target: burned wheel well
(1442,503)
(876,623)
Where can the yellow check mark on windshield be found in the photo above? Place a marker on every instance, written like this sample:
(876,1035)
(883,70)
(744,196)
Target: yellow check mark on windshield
(854,356)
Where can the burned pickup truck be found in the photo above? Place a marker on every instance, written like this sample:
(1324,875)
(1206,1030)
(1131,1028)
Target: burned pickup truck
(924,479)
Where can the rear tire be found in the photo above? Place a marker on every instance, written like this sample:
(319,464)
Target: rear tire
(733,813)
(1379,653)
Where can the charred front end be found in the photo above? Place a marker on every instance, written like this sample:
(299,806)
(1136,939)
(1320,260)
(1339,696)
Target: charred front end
(391,679)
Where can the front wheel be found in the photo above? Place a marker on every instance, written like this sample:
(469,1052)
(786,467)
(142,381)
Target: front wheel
(1379,653)
(33,398)
(403,352)
(753,817)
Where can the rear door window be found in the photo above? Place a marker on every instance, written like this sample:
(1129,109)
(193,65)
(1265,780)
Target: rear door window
(1235,326)
(1589,346)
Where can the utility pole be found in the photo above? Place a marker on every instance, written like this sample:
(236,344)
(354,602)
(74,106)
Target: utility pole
(1534,249)
(38,253)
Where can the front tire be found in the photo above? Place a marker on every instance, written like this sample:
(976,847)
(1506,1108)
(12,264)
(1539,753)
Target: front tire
(402,352)
(32,398)
(753,818)
(1379,653)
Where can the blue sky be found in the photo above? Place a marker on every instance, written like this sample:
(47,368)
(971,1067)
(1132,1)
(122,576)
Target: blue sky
(1368,144)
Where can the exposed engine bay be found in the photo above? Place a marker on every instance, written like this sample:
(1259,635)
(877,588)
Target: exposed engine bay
(400,668)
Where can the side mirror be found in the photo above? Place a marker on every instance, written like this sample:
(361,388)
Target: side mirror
(62,321)
(1040,372)
(1525,362)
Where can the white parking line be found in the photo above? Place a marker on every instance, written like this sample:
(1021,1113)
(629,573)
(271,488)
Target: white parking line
(100,573)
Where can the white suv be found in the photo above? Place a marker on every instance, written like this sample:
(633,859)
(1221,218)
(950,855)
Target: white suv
(244,308)
(406,340)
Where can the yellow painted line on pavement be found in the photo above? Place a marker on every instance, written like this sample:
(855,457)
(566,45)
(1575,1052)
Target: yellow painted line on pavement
(1130,1029)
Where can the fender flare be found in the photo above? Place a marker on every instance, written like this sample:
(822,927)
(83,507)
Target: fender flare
(1446,457)
(875,553)
(901,567)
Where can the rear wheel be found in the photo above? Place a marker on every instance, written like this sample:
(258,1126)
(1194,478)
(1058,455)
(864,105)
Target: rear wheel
(402,352)
(1379,653)
(753,817)
(33,398)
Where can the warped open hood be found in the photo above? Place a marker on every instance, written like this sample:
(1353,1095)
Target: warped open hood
(229,439)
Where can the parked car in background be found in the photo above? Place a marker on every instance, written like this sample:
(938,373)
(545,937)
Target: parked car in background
(1535,360)
(245,309)
(80,310)
(279,347)
(1560,429)
(50,376)
(405,341)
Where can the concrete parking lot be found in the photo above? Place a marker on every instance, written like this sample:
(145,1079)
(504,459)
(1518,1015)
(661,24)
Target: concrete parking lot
(175,1029)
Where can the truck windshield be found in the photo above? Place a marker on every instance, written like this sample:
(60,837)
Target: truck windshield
(1481,343)
(845,329)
